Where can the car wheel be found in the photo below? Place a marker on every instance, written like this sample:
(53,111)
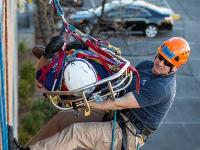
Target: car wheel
(151,31)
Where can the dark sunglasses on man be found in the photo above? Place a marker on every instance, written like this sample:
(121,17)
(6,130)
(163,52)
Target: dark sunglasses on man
(167,63)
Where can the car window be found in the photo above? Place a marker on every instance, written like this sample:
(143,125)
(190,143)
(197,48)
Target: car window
(140,12)
(128,12)
(113,12)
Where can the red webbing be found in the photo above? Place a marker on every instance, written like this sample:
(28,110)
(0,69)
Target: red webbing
(134,70)
(45,70)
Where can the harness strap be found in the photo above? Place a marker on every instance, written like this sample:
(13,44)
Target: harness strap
(137,85)
(102,61)
(95,57)
(134,70)
(45,70)
(98,49)
(60,63)
(122,125)
(91,56)
(139,126)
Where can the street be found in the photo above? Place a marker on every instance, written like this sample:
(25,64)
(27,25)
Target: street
(180,130)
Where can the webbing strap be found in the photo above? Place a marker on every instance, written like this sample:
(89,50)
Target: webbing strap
(100,60)
(91,56)
(133,69)
(46,69)
(60,63)
(103,62)
(98,49)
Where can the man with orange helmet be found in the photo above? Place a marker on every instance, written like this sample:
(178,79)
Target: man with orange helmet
(174,52)
(147,110)
(141,113)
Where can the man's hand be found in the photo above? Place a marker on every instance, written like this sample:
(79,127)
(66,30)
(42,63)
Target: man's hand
(56,43)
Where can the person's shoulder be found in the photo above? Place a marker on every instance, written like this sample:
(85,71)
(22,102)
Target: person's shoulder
(145,64)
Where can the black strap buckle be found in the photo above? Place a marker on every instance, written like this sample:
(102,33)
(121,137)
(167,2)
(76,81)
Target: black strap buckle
(140,128)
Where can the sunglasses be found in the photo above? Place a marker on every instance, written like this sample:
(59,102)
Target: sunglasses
(167,63)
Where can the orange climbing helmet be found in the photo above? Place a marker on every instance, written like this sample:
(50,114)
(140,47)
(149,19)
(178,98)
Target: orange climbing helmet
(176,50)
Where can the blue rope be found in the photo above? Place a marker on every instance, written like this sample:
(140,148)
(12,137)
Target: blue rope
(113,130)
(3,120)
(59,9)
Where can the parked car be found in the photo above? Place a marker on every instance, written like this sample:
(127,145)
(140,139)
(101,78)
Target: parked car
(72,3)
(128,15)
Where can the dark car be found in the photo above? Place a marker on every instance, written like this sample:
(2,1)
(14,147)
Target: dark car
(127,15)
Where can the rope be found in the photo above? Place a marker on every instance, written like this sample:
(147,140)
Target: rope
(3,120)
(113,130)
(138,147)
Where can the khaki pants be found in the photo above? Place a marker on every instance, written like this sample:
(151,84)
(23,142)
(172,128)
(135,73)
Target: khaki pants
(86,136)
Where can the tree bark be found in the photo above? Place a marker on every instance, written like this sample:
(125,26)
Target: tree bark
(45,25)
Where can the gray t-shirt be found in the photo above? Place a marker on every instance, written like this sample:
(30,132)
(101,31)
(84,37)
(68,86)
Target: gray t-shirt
(156,95)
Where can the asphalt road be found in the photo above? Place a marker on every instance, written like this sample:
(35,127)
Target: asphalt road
(181,128)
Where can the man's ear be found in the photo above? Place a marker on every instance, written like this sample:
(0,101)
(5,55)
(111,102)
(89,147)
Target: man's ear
(175,68)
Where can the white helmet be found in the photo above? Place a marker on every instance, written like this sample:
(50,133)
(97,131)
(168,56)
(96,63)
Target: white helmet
(79,73)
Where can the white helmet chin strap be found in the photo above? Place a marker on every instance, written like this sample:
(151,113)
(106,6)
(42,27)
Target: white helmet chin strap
(78,74)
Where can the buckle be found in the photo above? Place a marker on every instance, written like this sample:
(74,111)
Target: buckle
(147,132)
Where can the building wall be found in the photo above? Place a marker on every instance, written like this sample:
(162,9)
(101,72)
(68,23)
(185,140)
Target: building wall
(9,64)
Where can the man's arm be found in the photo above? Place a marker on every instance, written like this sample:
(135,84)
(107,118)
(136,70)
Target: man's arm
(125,102)
(42,62)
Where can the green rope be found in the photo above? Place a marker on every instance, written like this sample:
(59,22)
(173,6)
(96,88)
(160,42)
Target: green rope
(113,130)
(138,147)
